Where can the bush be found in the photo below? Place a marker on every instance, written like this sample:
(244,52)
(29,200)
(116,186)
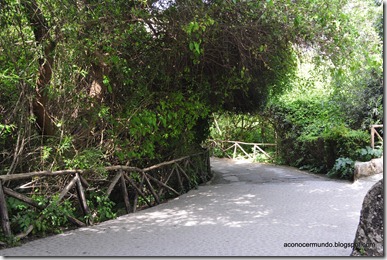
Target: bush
(343,168)
(101,207)
(319,154)
(51,220)
(312,136)
(367,154)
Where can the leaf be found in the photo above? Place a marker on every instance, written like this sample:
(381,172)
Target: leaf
(110,90)
(195,26)
(297,21)
(197,47)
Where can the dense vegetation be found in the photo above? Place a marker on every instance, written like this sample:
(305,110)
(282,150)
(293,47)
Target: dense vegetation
(322,121)
(116,81)
(91,83)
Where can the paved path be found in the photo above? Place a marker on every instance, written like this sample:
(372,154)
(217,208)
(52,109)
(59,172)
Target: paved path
(247,210)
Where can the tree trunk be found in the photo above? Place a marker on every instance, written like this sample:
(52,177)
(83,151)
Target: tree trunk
(42,36)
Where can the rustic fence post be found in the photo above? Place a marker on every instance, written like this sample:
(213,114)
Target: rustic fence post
(373,133)
(209,173)
(372,137)
(113,183)
(179,180)
(125,192)
(81,197)
(138,189)
(235,150)
(5,224)
(157,199)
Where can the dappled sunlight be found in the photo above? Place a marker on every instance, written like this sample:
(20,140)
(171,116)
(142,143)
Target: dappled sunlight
(216,209)
(319,190)
(320,225)
(339,208)
(190,223)
(235,224)
(260,214)
(301,202)
(242,202)
(354,215)
(242,161)
(219,206)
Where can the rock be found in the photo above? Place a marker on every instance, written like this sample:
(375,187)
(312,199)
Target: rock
(369,236)
(365,169)
(377,165)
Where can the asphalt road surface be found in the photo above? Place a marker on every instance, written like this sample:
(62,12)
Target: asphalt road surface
(248,209)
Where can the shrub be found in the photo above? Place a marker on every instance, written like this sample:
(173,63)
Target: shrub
(312,136)
(343,168)
(367,154)
(51,220)
(101,207)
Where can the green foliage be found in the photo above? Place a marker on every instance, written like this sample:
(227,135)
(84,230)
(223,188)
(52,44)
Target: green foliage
(262,158)
(363,106)
(7,133)
(54,217)
(51,220)
(6,130)
(343,168)
(331,97)
(253,128)
(22,217)
(138,82)
(358,83)
(367,154)
(89,159)
(250,128)
(312,135)
(195,31)
(141,201)
(194,180)
(169,127)
(151,76)
(101,207)
(131,82)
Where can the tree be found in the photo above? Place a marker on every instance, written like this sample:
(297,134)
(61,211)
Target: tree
(333,99)
(139,79)
(46,43)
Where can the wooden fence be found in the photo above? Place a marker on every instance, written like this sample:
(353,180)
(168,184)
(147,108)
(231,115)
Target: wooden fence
(375,132)
(151,185)
(224,146)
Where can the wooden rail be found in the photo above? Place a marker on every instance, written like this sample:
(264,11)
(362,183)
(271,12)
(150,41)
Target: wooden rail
(237,145)
(151,184)
(375,132)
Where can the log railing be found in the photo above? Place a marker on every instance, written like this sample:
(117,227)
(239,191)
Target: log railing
(375,132)
(224,146)
(152,184)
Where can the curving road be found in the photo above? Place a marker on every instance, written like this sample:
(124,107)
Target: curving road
(248,209)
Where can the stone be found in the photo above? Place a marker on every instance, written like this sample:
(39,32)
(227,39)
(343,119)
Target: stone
(369,235)
(377,165)
(365,169)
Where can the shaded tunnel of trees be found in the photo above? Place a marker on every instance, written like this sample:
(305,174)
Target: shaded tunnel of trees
(88,84)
